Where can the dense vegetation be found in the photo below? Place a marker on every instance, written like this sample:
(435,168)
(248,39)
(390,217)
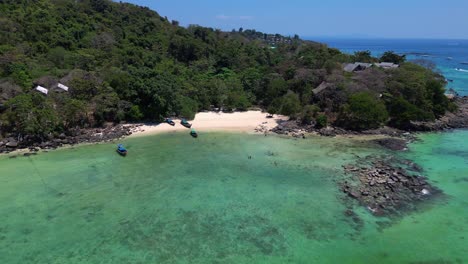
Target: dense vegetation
(126,63)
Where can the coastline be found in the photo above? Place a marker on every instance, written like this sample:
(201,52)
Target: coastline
(247,122)
(253,121)
(240,122)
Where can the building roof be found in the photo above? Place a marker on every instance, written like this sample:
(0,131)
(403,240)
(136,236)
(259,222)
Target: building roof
(320,88)
(350,67)
(63,87)
(42,89)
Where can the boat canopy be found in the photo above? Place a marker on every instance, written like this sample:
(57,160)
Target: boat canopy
(121,147)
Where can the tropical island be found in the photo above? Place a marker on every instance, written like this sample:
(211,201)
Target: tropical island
(300,152)
(124,63)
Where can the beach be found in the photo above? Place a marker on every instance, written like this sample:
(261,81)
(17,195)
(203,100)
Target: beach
(246,122)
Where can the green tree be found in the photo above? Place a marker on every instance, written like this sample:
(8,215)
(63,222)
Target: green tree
(363,56)
(275,106)
(309,113)
(291,105)
(391,56)
(321,121)
(188,107)
(30,114)
(20,75)
(74,113)
(364,111)
(135,114)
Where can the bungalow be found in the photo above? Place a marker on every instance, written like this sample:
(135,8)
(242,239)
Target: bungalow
(42,89)
(360,66)
(63,87)
(357,66)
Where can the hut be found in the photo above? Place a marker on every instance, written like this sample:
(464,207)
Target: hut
(63,87)
(357,66)
(42,90)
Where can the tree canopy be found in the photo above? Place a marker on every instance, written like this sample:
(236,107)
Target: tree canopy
(123,62)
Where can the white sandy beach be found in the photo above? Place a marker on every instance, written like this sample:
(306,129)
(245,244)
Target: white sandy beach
(214,121)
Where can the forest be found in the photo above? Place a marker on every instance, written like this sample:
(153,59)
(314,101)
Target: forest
(125,63)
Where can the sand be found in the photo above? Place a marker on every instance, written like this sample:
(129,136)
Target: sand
(249,122)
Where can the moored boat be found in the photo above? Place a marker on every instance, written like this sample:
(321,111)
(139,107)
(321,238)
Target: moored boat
(170,121)
(193,133)
(121,150)
(185,123)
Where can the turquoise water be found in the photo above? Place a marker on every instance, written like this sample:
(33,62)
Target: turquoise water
(174,199)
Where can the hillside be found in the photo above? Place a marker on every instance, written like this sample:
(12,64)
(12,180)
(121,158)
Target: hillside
(127,63)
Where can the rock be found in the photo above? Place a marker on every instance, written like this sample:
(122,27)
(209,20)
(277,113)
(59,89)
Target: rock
(392,143)
(386,185)
(12,144)
(425,192)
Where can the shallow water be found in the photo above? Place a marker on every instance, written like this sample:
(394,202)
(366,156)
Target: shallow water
(179,200)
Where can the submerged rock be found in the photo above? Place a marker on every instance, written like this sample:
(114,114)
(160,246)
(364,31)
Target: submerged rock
(392,143)
(385,185)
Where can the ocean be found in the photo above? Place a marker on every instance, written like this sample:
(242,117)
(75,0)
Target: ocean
(175,199)
(449,56)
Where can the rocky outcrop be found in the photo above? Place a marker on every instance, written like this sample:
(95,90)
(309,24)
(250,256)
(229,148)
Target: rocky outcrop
(386,186)
(294,127)
(76,136)
(458,119)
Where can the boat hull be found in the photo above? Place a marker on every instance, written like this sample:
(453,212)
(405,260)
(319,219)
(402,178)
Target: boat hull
(122,153)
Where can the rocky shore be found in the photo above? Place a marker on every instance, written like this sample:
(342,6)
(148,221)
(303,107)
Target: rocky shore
(458,119)
(77,136)
(386,185)
(397,138)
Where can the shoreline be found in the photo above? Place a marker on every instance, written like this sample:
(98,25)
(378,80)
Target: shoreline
(248,122)
(254,122)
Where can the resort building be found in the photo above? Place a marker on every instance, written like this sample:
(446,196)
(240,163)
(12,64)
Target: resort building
(360,66)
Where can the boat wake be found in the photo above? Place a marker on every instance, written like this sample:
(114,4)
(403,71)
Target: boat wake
(461,70)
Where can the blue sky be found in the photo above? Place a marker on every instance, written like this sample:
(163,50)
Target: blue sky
(324,18)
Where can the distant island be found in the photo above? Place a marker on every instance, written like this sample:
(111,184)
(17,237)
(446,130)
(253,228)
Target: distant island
(70,65)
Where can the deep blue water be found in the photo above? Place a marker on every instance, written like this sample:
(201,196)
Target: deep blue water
(448,55)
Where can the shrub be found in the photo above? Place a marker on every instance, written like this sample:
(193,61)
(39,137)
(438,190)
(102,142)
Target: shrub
(321,121)
(363,111)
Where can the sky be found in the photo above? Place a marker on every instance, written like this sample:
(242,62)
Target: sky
(324,18)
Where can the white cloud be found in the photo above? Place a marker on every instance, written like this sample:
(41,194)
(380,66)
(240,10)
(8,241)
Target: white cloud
(224,17)
(246,17)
